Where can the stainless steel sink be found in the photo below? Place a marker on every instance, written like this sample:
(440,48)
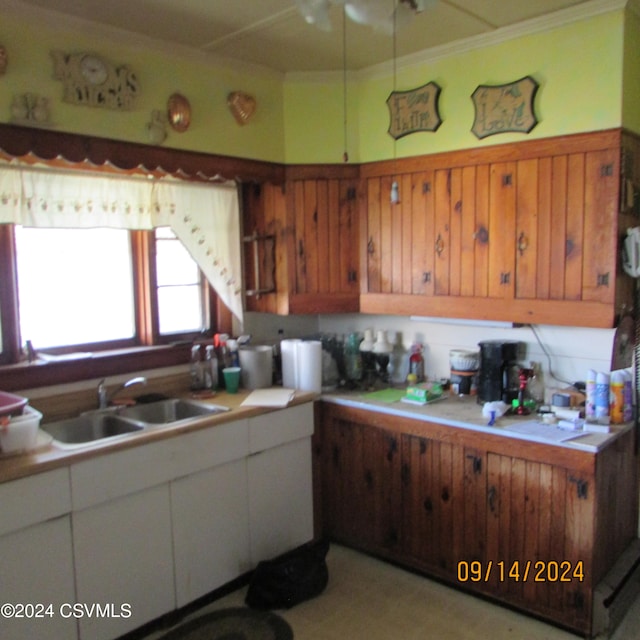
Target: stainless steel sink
(170,411)
(93,426)
(90,427)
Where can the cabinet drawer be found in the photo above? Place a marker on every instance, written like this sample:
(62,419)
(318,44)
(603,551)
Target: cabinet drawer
(119,474)
(276,428)
(210,447)
(34,499)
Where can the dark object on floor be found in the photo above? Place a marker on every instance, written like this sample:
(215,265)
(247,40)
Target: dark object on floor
(238,623)
(289,579)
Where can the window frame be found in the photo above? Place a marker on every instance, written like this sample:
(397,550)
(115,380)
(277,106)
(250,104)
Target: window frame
(148,349)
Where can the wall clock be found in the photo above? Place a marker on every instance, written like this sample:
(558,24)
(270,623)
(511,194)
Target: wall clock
(94,69)
(89,79)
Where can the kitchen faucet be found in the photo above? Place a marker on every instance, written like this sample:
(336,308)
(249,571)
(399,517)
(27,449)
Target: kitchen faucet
(105,398)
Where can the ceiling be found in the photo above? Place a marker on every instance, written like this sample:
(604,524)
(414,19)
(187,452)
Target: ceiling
(273,33)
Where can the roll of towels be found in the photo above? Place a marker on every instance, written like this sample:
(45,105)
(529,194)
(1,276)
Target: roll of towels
(302,364)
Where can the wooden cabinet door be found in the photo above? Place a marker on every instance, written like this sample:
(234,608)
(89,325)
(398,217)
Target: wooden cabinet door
(540,521)
(443,504)
(312,256)
(210,529)
(566,210)
(361,484)
(325,231)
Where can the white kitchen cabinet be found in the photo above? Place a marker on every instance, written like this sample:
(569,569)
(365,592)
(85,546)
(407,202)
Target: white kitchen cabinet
(36,572)
(104,478)
(280,485)
(124,559)
(210,529)
(36,563)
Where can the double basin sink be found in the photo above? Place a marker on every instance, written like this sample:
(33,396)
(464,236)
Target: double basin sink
(94,426)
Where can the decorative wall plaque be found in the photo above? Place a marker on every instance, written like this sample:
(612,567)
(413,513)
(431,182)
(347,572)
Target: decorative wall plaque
(504,107)
(90,80)
(415,110)
(242,106)
(178,112)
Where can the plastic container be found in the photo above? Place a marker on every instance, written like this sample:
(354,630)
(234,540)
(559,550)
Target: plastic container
(590,402)
(617,397)
(416,361)
(21,432)
(11,404)
(602,395)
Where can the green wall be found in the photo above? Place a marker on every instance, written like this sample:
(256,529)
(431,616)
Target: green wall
(631,73)
(160,72)
(578,67)
(581,68)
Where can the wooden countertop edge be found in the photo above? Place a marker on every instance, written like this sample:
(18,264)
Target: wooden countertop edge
(14,467)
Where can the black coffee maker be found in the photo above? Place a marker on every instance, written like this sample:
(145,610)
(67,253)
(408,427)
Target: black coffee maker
(498,374)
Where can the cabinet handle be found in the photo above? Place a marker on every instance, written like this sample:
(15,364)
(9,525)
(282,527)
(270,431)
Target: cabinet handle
(439,245)
(426,277)
(370,247)
(368,479)
(405,475)
(492,494)
(603,279)
(505,277)
(582,487)
(477,463)
(523,243)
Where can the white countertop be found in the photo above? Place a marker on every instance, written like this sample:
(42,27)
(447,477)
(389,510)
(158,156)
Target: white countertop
(465,412)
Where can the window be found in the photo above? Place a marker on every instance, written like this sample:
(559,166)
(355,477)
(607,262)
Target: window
(98,289)
(75,286)
(181,291)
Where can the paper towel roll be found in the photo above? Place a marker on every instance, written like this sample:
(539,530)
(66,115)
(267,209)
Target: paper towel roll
(310,365)
(288,352)
(302,364)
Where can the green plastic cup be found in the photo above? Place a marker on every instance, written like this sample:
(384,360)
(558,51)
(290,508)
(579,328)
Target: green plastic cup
(231,379)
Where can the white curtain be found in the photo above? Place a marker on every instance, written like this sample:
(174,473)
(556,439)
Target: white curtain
(205,217)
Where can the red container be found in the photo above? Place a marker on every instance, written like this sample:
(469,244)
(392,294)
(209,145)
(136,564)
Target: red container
(11,404)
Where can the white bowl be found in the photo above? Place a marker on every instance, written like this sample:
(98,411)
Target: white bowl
(463,360)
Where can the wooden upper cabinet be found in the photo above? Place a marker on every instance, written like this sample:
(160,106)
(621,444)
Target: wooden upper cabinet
(314,258)
(525,232)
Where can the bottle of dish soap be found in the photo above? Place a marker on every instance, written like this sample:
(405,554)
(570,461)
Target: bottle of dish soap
(416,361)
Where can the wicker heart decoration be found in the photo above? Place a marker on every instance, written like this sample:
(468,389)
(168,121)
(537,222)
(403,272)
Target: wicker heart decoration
(242,106)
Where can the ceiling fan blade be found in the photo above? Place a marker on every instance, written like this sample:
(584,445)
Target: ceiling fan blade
(315,12)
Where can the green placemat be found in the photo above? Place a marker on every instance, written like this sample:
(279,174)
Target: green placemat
(386,395)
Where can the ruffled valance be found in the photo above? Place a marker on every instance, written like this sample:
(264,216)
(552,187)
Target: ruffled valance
(205,217)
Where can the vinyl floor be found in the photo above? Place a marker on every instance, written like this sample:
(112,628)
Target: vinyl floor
(368,599)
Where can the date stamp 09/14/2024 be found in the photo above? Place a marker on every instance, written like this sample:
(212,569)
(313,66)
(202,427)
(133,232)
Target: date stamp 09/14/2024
(521,571)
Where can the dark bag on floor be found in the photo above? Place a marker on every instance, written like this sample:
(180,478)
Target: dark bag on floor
(289,579)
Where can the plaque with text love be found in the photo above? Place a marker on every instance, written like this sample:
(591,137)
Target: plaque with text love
(415,110)
(505,107)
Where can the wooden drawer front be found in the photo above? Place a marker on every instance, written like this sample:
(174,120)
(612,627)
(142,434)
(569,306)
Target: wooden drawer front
(276,428)
(34,499)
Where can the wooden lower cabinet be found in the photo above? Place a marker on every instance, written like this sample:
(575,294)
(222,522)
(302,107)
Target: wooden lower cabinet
(533,526)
